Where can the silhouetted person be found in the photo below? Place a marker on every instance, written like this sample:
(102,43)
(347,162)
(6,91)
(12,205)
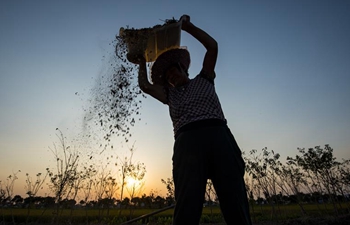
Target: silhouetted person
(204,146)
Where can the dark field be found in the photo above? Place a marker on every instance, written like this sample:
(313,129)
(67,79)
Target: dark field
(321,214)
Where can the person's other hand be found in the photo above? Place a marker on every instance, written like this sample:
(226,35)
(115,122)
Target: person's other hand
(185,21)
(136,59)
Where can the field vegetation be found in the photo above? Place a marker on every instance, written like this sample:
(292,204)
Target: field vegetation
(310,186)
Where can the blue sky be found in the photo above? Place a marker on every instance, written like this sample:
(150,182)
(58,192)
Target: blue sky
(283,75)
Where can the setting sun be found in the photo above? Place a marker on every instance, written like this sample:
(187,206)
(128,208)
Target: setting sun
(134,187)
(132,183)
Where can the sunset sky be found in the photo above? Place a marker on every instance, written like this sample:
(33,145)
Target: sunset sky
(283,76)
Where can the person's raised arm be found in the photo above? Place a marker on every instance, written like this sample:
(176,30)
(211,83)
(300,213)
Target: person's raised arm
(155,91)
(207,41)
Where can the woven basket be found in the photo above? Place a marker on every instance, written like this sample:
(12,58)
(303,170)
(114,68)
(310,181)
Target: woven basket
(151,42)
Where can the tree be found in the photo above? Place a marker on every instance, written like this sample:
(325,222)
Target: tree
(321,168)
(147,200)
(17,200)
(159,202)
(170,195)
(262,168)
(9,186)
(111,190)
(66,173)
(134,171)
(31,187)
(210,193)
(293,180)
(2,193)
(66,168)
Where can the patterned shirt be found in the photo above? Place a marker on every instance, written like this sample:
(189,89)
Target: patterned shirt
(195,101)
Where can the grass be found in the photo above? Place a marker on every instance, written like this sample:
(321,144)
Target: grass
(259,214)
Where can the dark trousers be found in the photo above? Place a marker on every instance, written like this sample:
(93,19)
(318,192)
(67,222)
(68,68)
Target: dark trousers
(209,153)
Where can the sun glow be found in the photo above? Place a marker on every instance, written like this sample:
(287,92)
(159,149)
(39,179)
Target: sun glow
(134,187)
(131,182)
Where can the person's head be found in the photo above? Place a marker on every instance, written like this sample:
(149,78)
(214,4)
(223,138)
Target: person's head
(176,75)
(171,67)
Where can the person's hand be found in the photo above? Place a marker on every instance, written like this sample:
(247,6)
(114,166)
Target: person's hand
(136,59)
(185,22)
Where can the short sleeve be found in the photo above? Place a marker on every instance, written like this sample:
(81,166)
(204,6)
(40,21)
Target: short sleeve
(208,76)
